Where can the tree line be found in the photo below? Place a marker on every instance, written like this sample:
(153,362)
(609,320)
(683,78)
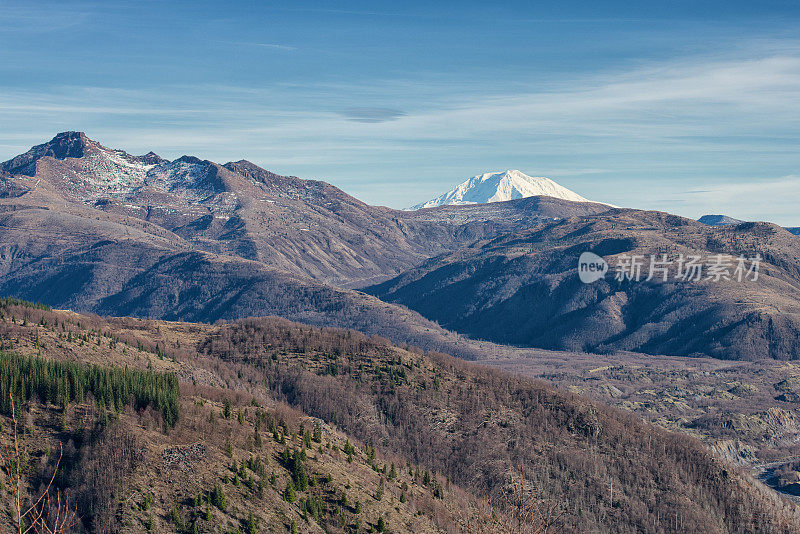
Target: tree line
(60,382)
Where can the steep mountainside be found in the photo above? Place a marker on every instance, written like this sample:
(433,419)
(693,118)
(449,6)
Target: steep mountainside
(303,227)
(89,261)
(95,229)
(524,289)
(226,465)
(447,437)
(499,187)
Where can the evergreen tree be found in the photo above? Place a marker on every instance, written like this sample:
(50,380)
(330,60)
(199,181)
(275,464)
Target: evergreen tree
(289,494)
(299,474)
(349,450)
(218,498)
(317,432)
(175,515)
(251,527)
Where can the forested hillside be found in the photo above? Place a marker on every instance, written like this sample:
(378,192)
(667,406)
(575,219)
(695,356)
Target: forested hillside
(211,459)
(468,427)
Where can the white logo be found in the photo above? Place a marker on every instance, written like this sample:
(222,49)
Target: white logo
(591,267)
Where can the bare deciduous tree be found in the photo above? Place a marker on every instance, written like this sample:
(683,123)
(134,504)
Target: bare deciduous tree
(44,514)
(526,512)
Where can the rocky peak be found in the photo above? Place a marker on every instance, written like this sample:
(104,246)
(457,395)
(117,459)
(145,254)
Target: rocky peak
(62,146)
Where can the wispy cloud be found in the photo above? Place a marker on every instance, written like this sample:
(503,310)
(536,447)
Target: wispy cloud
(42,17)
(270,46)
(638,136)
(372,114)
(684,98)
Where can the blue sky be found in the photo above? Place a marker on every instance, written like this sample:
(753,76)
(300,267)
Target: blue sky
(687,107)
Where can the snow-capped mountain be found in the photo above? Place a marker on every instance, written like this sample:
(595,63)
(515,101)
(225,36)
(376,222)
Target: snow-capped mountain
(500,186)
(307,228)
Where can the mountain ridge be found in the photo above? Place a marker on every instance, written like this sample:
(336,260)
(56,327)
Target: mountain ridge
(195,240)
(305,227)
(523,289)
(229,241)
(725,220)
(719,220)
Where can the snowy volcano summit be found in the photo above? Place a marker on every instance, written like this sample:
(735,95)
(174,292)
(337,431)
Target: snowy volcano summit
(500,186)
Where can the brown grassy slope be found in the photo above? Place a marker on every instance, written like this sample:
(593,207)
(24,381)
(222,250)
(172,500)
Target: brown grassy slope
(126,474)
(159,476)
(475,426)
